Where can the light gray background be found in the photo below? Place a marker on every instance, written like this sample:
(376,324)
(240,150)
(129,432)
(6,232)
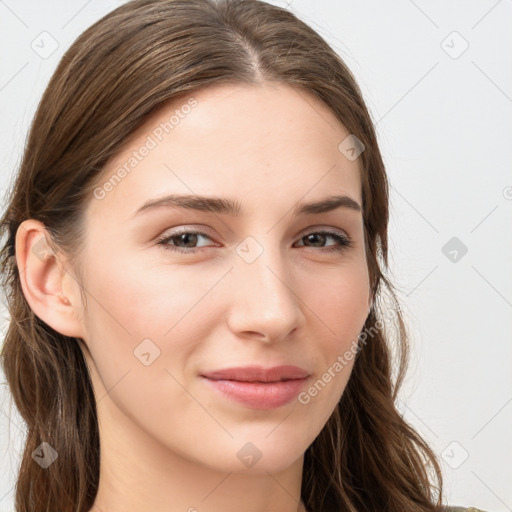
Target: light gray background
(444,120)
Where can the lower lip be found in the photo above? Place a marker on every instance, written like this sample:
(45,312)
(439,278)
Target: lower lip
(259,395)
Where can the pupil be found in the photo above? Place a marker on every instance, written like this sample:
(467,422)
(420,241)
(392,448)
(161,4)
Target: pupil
(311,237)
(184,238)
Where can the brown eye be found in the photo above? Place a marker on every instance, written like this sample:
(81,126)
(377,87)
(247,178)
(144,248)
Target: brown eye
(319,238)
(182,241)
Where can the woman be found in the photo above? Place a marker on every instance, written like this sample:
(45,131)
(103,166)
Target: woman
(195,261)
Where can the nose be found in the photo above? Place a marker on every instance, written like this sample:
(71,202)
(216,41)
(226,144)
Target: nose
(265,304)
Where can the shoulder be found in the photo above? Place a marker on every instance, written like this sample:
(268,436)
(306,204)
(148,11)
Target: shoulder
(462,509)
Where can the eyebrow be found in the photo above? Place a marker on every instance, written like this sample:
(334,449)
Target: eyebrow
(234,208)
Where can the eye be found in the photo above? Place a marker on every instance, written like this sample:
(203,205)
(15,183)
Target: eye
(182,241)
(318,238)
(186,241)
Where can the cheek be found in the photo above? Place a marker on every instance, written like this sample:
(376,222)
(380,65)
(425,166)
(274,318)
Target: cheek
(339,309)
(133,300)
(142,329)
(338,303)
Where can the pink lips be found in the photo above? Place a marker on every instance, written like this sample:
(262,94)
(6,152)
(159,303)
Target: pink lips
(257,387)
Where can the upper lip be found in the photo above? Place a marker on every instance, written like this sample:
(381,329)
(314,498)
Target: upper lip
(258,373)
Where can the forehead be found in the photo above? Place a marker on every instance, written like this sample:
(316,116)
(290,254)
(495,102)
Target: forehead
(267,143)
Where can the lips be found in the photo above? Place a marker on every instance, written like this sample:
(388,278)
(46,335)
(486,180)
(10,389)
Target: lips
(256,387)
(258,374)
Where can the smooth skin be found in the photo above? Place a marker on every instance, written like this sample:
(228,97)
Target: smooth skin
(169,442)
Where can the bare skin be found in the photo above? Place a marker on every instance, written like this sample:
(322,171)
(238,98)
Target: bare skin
(169,441)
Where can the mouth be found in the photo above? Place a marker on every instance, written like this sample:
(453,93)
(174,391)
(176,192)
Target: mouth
(256,387)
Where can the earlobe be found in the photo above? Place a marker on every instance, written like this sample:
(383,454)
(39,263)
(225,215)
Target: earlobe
(43,276)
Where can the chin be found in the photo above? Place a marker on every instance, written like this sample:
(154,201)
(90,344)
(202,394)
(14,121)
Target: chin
(250,455)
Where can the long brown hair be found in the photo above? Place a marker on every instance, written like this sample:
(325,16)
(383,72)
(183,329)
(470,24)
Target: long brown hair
(117,73)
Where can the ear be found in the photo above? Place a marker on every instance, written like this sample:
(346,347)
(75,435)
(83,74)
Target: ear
(50,288)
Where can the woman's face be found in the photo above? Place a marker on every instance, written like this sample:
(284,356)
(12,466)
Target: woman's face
(261,287)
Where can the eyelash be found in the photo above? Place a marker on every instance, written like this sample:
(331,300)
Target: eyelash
(343,240)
